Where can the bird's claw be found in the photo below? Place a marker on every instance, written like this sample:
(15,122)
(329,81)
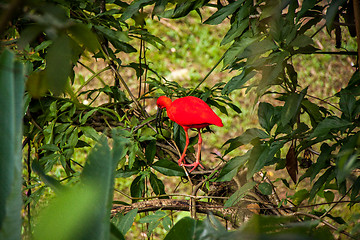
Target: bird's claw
(194,165)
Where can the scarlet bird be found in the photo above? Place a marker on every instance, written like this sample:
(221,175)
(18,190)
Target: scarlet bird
(189,112)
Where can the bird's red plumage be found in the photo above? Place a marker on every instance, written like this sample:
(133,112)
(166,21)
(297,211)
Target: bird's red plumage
(192,112)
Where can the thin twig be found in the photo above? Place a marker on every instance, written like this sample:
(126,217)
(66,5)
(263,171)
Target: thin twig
(336,203)
(207,75)
(322,100)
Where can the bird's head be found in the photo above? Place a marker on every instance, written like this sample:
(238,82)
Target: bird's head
(162,102)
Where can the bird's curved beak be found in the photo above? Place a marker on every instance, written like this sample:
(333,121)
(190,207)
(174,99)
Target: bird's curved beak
(158,120)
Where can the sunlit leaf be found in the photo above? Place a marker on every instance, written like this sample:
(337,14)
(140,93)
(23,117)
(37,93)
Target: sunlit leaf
(168,168)
(292,106)
(231,168)
(300,196)
(238,82)
(328,124)
(220,15)
(184,229)
(239,194)
(156,184)
(133,8)
(58,64)
(124,223)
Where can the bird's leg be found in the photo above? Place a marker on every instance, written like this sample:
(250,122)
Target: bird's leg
(197,162)
(182,158)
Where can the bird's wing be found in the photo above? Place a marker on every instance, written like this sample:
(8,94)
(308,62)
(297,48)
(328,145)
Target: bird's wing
(192,111)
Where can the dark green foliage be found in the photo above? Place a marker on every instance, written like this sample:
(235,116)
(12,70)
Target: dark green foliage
(11,92)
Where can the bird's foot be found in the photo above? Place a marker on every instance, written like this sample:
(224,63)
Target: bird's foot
(194,165)
(181,162)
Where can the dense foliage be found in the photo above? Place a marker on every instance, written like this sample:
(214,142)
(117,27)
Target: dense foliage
(45,42)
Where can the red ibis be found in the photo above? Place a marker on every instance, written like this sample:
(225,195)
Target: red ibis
(189,112)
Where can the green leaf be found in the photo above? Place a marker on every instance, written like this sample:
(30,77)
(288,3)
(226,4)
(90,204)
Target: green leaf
(300,196)
(261,155)
(124,223)
(86,116)
(323,160)
(265,188)
(237,48)
(120,147)
(267,115)
(84,36)
(153,220)
(36,84)
(231,168)
(237,28)
(347,160)
(329,196)
(166,222)
(185,7)
(238,81)
(240,24)
(153,217)
(126,172)
(90,132)
(306,5)
(73,139)
(355,189)
(134,8)
(115,233)
(50,147)
(168,168)
(271,73)
(179,136)
(320,182)
(329,124)
(247,137)
(239,194)
(301,41)
(113,34)
(347,104)
(156,184)
(338,220)
(58,64)
(151,227)
(313,111)
(258,48)
(220,15)
(150,151)
(133,151)
(184,229)
(48,180)
(137,187)
(292,106)
(331,12)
